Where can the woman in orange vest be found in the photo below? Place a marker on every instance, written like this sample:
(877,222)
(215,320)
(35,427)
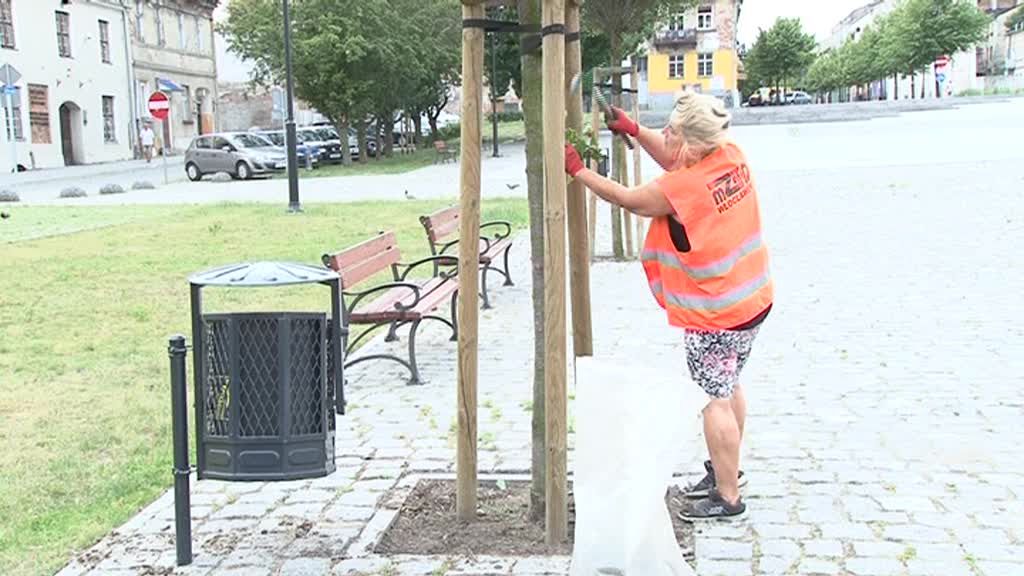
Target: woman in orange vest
(707,266)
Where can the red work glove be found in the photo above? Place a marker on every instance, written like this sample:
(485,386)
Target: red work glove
(573,162)
(623,124)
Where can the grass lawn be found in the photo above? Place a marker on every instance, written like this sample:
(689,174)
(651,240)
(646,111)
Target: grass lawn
(85,317)
(396,164)
(514,131)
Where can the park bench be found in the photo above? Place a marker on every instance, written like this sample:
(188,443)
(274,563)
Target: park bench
(396,303)
(443,225)
(444,153)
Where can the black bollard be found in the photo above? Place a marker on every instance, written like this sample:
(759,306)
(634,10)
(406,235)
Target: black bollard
(177,349)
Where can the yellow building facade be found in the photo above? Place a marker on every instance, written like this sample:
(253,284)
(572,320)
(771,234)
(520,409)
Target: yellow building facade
(695,49)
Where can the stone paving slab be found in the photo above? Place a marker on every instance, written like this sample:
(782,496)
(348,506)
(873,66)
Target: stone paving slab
(885,400)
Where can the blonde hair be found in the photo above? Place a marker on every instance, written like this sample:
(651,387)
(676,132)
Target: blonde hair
(701,119)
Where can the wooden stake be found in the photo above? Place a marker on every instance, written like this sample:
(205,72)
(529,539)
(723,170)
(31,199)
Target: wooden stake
(627,216)
(579,261)
(594,127)
(469,234)
(556,525)
(634,84)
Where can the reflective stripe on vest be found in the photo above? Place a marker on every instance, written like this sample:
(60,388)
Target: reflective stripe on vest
(670,259)
(711,303)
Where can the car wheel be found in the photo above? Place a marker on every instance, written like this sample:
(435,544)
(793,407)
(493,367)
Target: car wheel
(243,171)
(193,172)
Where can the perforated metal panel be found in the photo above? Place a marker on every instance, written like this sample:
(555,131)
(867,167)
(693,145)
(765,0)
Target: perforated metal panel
(265,397)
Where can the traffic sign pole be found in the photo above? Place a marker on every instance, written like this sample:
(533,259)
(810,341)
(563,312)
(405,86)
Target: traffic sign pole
(10,129)
(159,108)
(163,152)
(10,77)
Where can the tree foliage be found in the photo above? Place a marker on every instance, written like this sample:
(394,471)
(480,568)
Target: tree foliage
(780,55)
(354,61)
(905,41)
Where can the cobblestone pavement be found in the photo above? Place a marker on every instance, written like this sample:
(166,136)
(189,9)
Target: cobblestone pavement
(885,403)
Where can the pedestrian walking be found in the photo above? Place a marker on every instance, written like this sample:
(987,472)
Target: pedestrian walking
(146,137)
(707,266)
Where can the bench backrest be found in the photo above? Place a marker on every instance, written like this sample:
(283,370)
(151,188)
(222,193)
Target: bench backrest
(441,224)
(365,259)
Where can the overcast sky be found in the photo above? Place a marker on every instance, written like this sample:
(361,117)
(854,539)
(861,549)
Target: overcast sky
(818,16)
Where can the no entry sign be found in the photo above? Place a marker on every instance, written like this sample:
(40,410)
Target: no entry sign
(159,106)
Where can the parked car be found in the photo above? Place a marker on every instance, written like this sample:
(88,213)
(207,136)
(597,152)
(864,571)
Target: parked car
(799,97)
(302,148)
(240,154)
(330,150)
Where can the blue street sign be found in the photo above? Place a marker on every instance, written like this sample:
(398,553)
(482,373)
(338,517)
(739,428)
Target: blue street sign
(10,89)
(941,77)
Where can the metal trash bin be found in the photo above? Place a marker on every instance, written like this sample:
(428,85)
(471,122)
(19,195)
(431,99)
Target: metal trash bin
(266,382)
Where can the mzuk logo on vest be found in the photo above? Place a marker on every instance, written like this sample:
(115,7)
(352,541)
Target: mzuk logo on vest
(730,188)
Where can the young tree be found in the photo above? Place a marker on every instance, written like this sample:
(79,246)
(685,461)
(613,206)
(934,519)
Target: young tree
(531,84)
(780,55)
(923,30)
(626,23)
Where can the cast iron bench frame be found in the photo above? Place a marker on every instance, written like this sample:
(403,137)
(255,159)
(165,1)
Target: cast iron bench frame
(402,301)
(444,224)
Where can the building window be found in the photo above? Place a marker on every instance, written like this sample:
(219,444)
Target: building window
(39,113)
(182,36)
(105,41)
(705,18)
(186,103)
(109,134)
(64,34)
(705,64)
(199,34)
(6,25)
(677,23)
(161,38)
(140,20)
(19,133)
(675,66)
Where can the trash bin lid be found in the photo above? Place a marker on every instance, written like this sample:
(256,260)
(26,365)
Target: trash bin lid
(263,274)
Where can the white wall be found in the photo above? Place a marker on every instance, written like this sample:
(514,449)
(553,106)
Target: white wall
(83,79)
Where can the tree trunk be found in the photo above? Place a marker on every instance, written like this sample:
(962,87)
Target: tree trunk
(388,128)
(361,138)
(417,125)
(913,85)
(618,148)
(432,121)
(896,86)
(346,156)
(533,117)
(924,74)
(377,143)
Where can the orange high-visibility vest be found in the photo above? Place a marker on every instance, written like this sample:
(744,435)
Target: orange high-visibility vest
(723,280)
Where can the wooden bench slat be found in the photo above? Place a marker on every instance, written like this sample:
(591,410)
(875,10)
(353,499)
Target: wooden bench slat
(358,272)
(496,250)
(434,293)
(363,260)
(364,250)
(442,223)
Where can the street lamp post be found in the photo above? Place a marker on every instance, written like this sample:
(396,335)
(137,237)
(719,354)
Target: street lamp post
(289,125)
(494,95)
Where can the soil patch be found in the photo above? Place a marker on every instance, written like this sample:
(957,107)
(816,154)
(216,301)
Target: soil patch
(426,523)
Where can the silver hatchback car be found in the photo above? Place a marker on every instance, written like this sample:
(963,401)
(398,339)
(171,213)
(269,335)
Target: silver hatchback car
(240,154)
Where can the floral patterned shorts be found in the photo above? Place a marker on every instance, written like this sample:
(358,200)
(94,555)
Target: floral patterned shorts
(716,358)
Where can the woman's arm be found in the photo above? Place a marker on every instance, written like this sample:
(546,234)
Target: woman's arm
(646,200)
(652,141)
